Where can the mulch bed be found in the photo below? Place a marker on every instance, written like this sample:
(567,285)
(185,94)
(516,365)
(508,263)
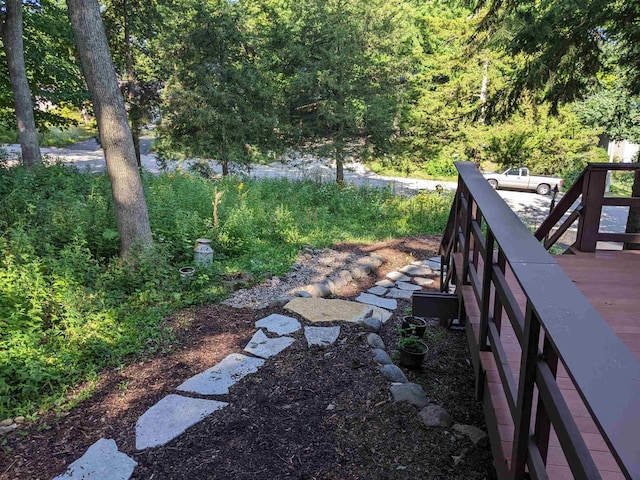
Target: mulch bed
(309,413)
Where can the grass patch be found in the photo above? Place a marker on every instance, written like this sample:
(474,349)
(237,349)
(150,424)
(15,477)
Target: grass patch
(68,307)
(61,137)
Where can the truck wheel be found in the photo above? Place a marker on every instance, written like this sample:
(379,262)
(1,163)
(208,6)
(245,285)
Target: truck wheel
(543,189)
(493,183)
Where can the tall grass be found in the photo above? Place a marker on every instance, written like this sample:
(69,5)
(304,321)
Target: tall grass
(68,307)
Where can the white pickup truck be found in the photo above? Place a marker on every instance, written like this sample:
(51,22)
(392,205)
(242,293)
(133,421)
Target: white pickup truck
(519,178)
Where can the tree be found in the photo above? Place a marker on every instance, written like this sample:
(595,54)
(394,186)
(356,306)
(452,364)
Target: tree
(343,62)
(115,135)
(11,28)
(218,102)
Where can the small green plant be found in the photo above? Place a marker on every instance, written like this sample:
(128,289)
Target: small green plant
(410,343)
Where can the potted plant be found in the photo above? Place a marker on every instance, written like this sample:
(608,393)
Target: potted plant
(412,325)
(412,351)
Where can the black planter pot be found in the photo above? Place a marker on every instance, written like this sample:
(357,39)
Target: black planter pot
(412,355)
(415,326)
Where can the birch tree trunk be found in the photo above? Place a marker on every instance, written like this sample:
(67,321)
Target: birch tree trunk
(11,30)
(115,134)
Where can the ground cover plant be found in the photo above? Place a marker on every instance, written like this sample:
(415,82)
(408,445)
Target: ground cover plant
(69,307)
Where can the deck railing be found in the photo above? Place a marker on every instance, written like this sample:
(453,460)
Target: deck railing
(590,189)
(485,244)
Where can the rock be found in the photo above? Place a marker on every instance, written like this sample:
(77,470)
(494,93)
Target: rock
(170,417)
(375,341)
(476,435)
(336,283)
(411,393)
(262,346)
(376,260)
(8,428)
(346,275)
(432,265)
(102,460)
(434,415)
(377,291)
(423,282)
(321,336)
(393,373)
(6,422)
(279,324)
(279,301)
(328,310)
(358,272)
(318,290)
(385,283)
(218,379)
(303,294)
(373,324)
(382,357)
(19,420)
(415,270)
(387,303)
(397,293)
(397,277)
(381,314)
(408,286)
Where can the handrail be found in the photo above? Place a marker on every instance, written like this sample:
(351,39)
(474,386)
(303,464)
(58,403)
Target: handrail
(603,370)
(590,188)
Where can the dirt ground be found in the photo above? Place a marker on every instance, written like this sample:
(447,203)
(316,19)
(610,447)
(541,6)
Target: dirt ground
(309,413)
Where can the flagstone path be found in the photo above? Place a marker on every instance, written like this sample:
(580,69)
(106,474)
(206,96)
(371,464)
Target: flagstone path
(175,413)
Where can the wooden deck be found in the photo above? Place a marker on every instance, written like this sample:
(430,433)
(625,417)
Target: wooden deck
(611,282)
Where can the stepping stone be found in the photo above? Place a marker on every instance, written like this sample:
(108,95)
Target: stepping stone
(170,417)
(423,282)
(218,379)
(408,286)
(397,293)
(377,290)
(321,336)
(382,357)
(280,324)
(411,393)
(262,346)
(328,310)
(414,270)
(381,314)
(387,303)
(385,283)
(393,373)
(101,461)
(397,277)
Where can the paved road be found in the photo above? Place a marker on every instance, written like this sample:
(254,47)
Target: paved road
(530,207)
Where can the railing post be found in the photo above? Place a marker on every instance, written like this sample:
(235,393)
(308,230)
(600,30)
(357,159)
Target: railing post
(589,223)
(466,235)
(543,423)
(526,383)
(485,307)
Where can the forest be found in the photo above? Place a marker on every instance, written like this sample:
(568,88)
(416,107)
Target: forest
(406,86)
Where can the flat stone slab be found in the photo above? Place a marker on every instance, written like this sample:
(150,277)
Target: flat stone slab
(170,417)
(217,380)
(386,303)
(262,346)
(411,393)
(408,286)
(397,293)
(397,277)
(280,324)
(381,314)
(321,336)
(432,264)
(101,461)
(328,310)
(385,283)
(423,282)
(377,290)
(415,270)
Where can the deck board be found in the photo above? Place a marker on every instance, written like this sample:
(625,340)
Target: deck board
(611,282)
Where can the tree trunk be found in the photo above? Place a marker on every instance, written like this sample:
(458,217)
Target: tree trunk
(633,220)
(11,30)
(225,168)
(339,156)
(115,135)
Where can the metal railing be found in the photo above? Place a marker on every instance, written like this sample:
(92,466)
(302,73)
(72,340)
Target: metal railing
(500,260)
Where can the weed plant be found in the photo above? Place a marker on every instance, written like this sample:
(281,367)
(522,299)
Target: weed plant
(69,307)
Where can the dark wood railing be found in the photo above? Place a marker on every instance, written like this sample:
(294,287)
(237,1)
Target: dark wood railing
(590,189)
(493,255)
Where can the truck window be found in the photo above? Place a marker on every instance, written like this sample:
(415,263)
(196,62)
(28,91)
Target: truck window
(524,172)
(513,171)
